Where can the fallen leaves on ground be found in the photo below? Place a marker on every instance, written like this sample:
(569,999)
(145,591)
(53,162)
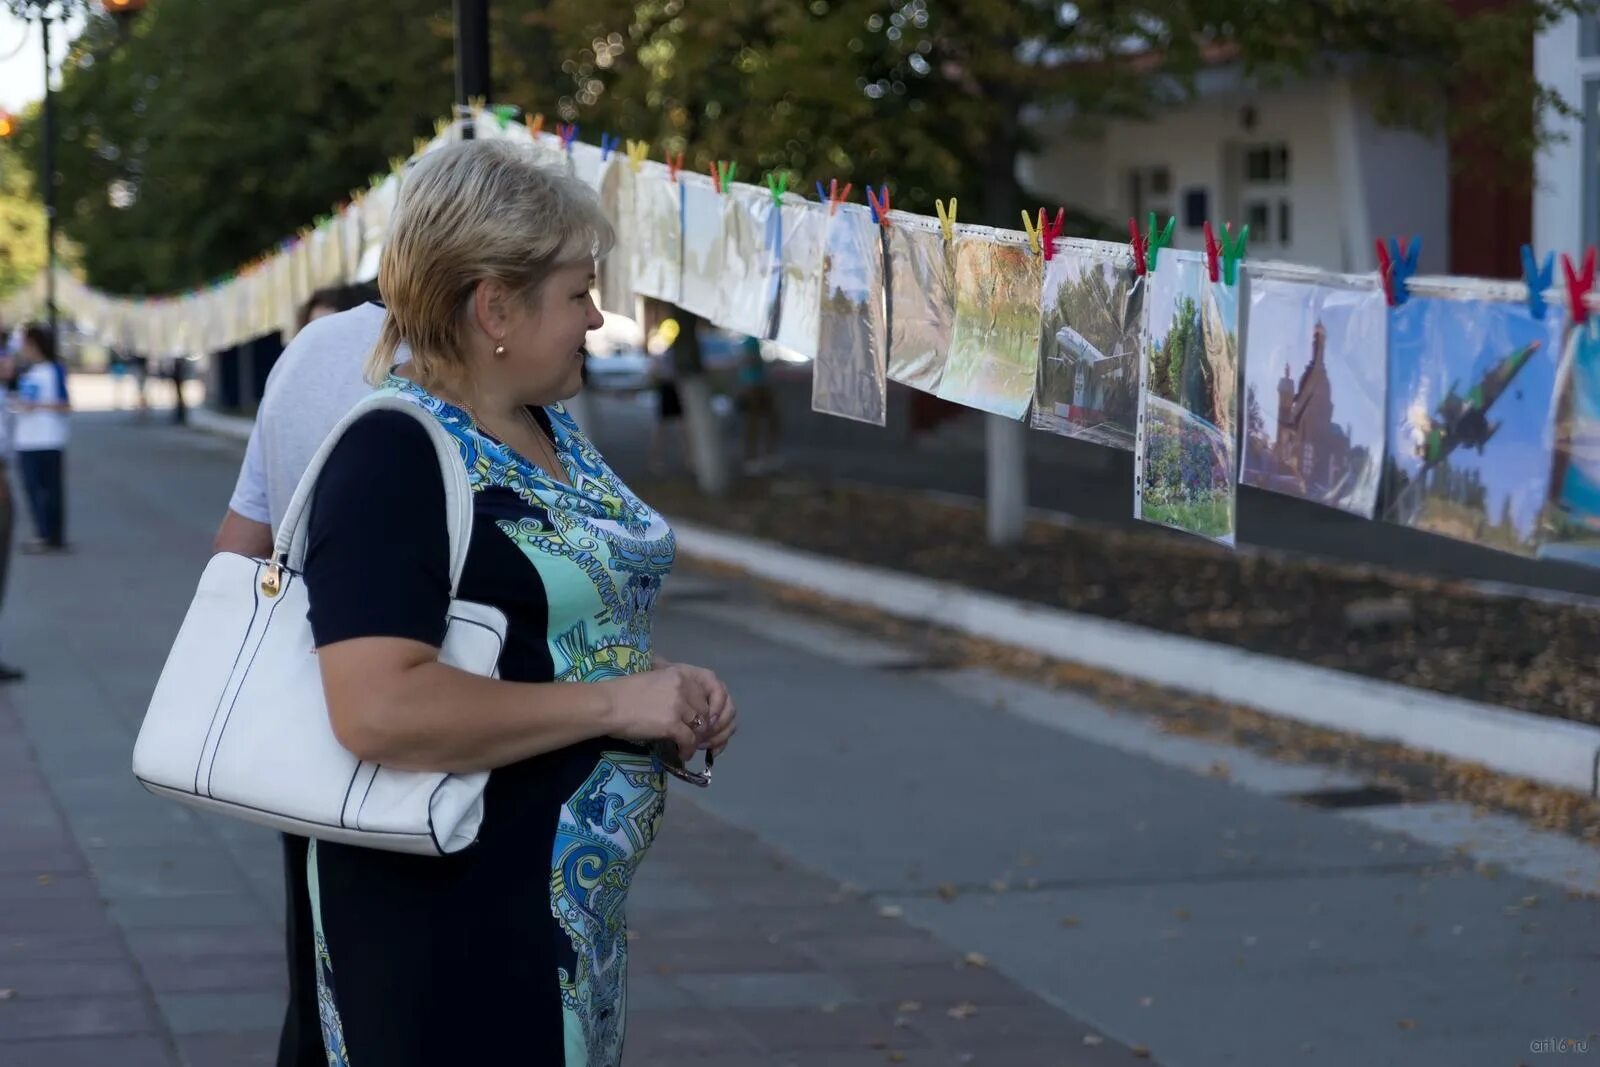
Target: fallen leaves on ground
(964,1010)
(976,959)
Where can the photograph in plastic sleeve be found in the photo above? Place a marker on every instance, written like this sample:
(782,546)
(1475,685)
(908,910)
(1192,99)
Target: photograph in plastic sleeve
(1314,370)
(1471,384)
(377,207)
(751,237)
(800,295)
(616,269)
(847,379)
(658,255)
(587,164)
(922,279)
(994,342)
(1572,524)
(1092,327)
(1184,448)
(702,248)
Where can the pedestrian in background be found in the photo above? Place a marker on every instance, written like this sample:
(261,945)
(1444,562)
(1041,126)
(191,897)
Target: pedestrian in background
(40,431)
(8,510)
(759,409)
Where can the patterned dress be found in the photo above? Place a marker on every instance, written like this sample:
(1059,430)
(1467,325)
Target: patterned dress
(514,950)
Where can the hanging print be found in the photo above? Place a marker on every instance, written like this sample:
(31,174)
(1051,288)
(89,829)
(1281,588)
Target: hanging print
(702,247)
(1471,384)
(1184,454)
(922,280)
(1315,369)
(1572,523)
(616,269)
(800,296)
(752,234)
(658,255)
(848,377)
(994,346)
(1093,319)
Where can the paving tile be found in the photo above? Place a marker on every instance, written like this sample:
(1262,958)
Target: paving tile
(84,1016)
(54,978)
(203,974)
(186,942)
(743,989)
(256,1048)
(147,1051)
(850,1026)
(63,946)
(224,1012)
(654,1035)
(188,909)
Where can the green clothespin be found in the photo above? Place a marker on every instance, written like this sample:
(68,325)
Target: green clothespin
(1155,242)
(778,185)
(726,172)
(504,113)
(1233,249)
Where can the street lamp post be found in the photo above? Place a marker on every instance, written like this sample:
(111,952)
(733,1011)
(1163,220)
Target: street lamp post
(472,52)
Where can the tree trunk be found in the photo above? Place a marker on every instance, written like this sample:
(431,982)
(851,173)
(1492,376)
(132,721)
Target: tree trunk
(708,454)
(1005,440)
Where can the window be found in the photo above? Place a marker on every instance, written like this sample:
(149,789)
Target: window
(1588,36)
(1149,189)
(1285,232)
(1267,164)
(1258,216)
(1261,173)
(1591,162)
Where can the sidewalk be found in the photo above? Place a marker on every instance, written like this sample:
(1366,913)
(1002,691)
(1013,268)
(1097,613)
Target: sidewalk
(134,932)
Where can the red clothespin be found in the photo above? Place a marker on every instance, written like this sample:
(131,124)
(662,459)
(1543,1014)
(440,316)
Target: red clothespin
(1213,253)
(1579,284)
(835,196)
(674,165)
(1136,239)
(1385,269)
(879,203)
(1049,231)
(1397,262)
(716,179)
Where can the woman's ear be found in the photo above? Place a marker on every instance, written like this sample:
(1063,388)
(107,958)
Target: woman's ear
(491,307)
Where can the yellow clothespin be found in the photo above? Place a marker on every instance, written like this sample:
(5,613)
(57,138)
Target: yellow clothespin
(478,103)
(947,219)
(419,145)
(1033,231)
(638,152)
(439,126)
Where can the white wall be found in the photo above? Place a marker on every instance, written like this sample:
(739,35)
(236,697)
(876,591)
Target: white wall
(1558,170)
(1397,183)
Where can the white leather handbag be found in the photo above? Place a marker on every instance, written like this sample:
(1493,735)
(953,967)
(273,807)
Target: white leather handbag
(239,725)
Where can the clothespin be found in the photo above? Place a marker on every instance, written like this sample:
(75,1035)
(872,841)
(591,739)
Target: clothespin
(1032,230)
(569,133)
(1049,231)
(1579,284)
(440,125)
(608,144)
(1136,242)
(834,197)
(535,124)
(777,185)
(1397,260)
(722,174)
(1154,242)
(1213,252)
(674,165)
(947,219)
(879,203)
(478,103)
(418,145)
(504,113)
(638,152)
(1233,249)
(1539,278)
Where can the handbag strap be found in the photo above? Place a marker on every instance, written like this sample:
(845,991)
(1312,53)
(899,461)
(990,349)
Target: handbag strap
(290,546)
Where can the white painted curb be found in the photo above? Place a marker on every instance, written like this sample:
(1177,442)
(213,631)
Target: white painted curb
(1555,751)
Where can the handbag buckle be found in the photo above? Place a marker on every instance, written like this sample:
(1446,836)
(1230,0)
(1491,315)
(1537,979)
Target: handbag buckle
(272,581)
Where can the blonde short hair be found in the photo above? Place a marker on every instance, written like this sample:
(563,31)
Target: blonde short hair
(468,213)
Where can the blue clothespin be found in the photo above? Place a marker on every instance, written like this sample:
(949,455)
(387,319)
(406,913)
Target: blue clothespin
(1539,279)
(609,143)
(822,194)
(1402,265)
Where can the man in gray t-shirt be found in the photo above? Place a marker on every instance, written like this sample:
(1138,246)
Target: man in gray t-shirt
(315,382)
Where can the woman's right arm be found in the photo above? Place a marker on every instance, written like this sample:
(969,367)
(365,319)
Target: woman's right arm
(391,701)
(376,570)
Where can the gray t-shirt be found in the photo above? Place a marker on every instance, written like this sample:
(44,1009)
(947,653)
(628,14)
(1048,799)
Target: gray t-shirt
(314,383)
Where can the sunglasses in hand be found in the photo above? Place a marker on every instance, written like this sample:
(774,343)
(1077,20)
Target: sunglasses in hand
(667,753)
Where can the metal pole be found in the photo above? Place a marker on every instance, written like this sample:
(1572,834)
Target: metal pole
(472,53)
(49,179)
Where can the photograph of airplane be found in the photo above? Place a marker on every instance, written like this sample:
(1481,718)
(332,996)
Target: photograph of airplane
(1469,443)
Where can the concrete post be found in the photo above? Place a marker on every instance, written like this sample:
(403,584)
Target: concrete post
(1007,485)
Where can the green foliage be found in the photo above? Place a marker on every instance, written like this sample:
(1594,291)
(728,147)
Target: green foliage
(22,221)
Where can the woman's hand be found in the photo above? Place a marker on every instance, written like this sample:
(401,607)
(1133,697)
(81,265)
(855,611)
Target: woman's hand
(664,704)
(721,715)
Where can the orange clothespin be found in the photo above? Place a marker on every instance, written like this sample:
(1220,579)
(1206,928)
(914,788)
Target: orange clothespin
(674,165)
(947,219)
(535,124)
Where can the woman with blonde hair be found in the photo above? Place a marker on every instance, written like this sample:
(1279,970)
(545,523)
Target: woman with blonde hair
(515,949)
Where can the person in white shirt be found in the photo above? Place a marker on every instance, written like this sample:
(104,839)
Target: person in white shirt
(317,379)
(39,435)
(7,508)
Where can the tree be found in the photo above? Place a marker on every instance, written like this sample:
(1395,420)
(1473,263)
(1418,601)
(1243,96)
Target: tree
(22,222)
(219,127)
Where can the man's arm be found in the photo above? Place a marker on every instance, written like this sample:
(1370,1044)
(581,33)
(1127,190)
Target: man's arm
(246,527)
(246,537)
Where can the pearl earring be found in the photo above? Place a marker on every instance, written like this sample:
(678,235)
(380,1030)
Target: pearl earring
(499,351)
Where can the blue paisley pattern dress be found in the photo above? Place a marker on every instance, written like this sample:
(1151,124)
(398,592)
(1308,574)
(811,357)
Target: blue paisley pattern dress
(601,556)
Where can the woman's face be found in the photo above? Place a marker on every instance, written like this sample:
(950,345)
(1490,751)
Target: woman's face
(30,352)
(544,339)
